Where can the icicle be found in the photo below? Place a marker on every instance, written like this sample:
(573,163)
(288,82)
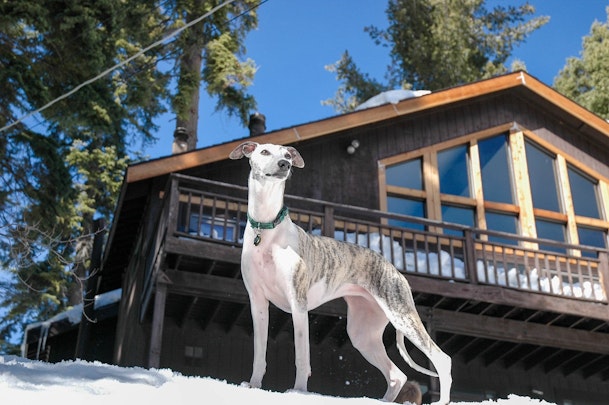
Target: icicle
(42,340)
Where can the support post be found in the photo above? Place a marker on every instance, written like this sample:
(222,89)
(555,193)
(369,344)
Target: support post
(603,272)
(158,318)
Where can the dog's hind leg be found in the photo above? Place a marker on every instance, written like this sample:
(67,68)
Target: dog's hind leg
(366,323)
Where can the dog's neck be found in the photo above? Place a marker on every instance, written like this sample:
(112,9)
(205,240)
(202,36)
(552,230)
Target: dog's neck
(265,198)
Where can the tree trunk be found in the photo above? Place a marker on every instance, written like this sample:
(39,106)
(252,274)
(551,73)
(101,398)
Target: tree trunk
(189,81)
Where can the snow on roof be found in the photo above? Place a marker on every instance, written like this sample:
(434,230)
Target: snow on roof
(72,315)
(391,96)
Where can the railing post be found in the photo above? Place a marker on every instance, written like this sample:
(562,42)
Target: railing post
(603,272)
(172,207)
(470,256)
(328,225)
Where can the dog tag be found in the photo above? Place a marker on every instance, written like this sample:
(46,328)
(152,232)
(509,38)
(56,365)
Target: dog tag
(257,240)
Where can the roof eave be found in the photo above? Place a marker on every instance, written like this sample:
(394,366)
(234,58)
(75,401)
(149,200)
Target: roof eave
(343,122)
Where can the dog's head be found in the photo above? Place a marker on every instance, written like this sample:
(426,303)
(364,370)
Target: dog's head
(268,161)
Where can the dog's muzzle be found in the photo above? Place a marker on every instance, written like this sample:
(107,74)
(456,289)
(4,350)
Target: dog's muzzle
(283,169)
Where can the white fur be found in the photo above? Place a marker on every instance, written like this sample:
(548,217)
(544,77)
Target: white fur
(291,269)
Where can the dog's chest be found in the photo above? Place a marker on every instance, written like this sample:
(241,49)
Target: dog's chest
(270,268)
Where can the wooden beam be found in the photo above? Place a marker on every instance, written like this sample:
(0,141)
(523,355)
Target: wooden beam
(207,286)
(203,249)
(486,293)
(519,332)
(511,297)
(487,327)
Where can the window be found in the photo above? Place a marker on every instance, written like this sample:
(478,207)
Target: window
(406,206)
(496,170)
(526,184)
(542,177)
(591,237)
(453,171)
(583,192)
(550,230)
(408,174)
(458,215)
(501,222)
(193,355)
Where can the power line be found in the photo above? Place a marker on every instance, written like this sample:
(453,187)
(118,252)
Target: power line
(118,65)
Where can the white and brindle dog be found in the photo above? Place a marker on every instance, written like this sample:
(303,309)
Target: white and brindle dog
(298,272)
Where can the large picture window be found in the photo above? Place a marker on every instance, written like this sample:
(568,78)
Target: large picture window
(408,175)
(584,192)
(496,169)
(542,177)
(453,171)
(505,182)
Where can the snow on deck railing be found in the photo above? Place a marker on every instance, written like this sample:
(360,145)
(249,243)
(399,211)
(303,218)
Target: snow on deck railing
(443,264)
(435,249)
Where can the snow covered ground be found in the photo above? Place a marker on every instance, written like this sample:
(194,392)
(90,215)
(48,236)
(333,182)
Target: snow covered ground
(79,382)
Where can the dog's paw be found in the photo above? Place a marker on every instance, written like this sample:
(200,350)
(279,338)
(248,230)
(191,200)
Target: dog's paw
(247,384)
(297,391)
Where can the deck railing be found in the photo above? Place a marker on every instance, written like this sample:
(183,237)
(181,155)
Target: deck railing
(213,211)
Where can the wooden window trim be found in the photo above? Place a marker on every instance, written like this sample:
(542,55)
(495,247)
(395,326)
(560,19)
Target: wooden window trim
(405,192)
(501,208)
(524,198)
(476,184)
(399,158)
(523,201)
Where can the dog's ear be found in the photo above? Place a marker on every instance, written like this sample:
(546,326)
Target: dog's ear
(245,149)
(297,160)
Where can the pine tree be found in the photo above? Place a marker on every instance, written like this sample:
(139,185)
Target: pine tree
(586,79)
(435,44)
(65,166)
(212,52)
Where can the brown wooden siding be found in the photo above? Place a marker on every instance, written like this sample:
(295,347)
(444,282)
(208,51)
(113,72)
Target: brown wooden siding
(331,174)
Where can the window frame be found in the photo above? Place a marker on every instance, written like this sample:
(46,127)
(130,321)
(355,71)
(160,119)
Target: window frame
(522,207)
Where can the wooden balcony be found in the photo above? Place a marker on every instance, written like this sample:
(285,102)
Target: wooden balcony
(467,283)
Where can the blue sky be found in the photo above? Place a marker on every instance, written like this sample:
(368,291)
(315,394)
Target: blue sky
(296,39)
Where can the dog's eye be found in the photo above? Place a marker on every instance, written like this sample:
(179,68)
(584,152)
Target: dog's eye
(265,152)
(288,156)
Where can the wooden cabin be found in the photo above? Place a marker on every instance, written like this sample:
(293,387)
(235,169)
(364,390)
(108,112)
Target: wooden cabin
(492,198)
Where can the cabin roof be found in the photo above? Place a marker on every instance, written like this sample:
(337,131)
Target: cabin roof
(521,82)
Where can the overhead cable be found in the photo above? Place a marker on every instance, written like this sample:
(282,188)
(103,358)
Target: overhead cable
(118,65)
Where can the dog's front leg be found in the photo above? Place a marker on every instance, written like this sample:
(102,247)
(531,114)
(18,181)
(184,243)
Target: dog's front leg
(301,349)
(260,319)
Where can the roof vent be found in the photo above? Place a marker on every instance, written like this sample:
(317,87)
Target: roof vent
(257,124)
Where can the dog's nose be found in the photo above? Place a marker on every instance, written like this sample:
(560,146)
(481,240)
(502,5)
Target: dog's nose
(284,164)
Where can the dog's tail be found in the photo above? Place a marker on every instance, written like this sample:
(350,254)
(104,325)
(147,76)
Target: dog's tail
(399,336)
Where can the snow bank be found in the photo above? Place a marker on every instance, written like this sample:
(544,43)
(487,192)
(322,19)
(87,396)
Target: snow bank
(79,382)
